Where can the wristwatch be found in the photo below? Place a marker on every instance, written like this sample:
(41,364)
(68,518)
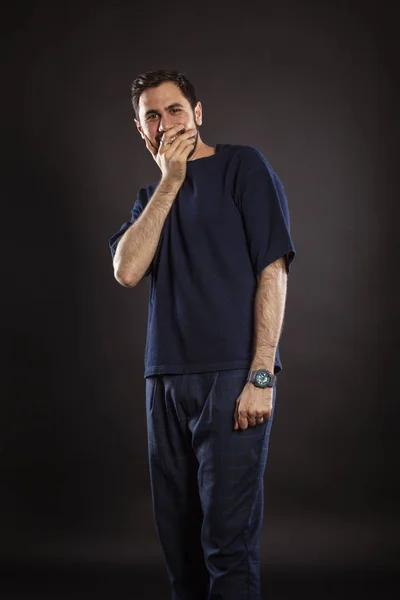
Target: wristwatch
(262,378)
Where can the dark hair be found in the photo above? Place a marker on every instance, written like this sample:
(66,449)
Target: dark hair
(156,78)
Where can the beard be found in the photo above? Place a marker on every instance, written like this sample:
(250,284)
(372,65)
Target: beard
(196,139)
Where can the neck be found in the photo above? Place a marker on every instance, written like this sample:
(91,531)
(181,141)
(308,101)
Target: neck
(202,150)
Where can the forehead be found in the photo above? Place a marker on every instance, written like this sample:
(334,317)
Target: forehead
(161,96)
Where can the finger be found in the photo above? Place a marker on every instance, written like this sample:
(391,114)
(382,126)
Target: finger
(236,414)
(251,421)
(182,152)
(176,129)
(243,422)
(184,149)
(173,133)
(267,412)
(179,141)
(235,417)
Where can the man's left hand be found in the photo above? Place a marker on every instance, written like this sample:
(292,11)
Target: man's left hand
(252,405)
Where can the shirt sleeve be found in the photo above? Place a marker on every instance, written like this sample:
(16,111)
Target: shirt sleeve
(265,212)
(136,211)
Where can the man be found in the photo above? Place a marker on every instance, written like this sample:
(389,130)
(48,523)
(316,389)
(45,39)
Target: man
(214,235)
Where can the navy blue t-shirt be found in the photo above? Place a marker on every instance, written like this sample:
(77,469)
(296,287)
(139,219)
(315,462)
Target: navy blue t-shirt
(229,221)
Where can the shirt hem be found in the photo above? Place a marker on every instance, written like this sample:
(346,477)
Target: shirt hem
(201,368)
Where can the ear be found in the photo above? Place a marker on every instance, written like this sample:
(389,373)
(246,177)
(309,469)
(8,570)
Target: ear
(140,130)
(198,113)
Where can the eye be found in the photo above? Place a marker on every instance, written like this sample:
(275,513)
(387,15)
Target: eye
(151,117)
(175,110)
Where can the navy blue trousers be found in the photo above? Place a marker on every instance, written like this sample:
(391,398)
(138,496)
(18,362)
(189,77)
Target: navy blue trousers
(207,484)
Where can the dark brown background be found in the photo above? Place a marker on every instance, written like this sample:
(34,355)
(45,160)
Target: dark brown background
(312,86)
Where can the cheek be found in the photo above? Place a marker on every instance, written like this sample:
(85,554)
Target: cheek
(185,119)
(151,129)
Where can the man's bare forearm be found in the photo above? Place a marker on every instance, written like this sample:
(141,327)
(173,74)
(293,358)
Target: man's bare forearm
(138,245)
(269,308)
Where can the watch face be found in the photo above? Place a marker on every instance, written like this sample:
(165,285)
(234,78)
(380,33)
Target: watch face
(263,379)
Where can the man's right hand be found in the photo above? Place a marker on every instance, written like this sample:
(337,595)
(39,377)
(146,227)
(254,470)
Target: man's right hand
(172,158)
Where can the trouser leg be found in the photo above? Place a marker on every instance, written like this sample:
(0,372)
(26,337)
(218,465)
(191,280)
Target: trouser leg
(173,476)
(230,479)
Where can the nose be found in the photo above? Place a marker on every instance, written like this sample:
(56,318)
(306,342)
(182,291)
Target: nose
(165,123)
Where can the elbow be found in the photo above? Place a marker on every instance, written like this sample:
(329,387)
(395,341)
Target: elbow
(128,283)
(125,279)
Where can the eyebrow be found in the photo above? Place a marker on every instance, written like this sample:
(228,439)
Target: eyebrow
(153,110)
